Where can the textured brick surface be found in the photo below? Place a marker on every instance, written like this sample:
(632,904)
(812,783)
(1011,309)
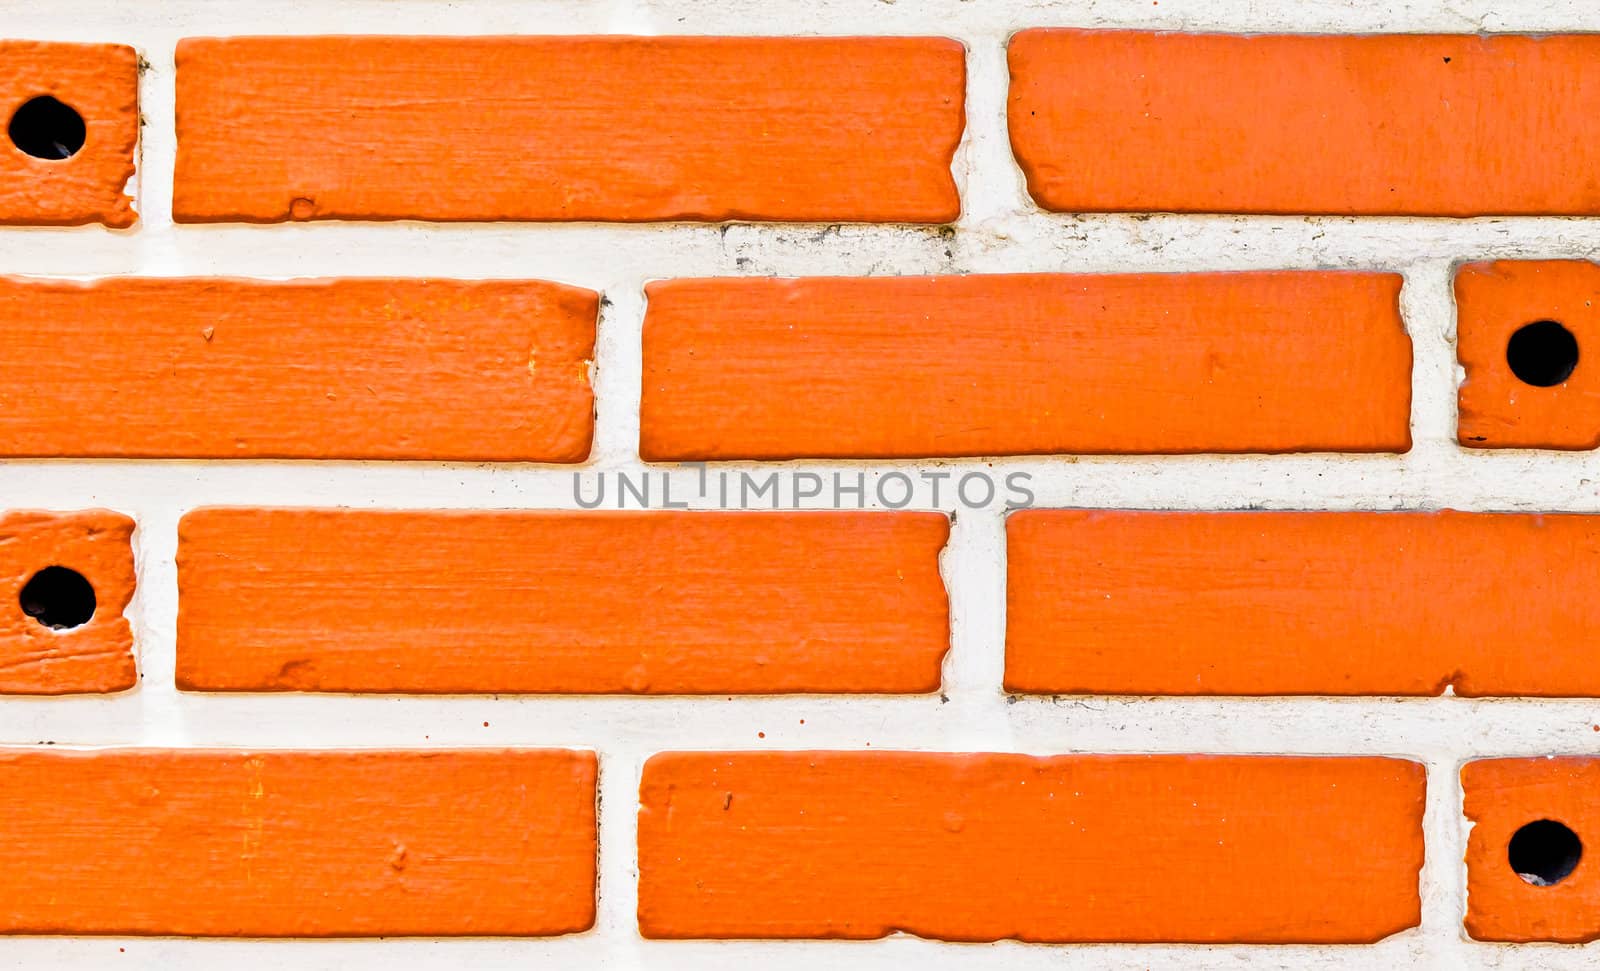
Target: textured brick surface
(1502,796)
(96,656)
(1132,602)
(1497,409)
(298,844)
(212,368)
(1071,848)
(568,128)
(991,365)
(1196,308)
(644,603)
(1441,125)
(101,83)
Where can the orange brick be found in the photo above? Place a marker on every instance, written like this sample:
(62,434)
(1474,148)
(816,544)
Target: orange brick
(1255,603)
(1555,402)
(636,602)
(355,369)
(1452,125)
(100,82)
(1070,848)
(911,367)
(568,128)
(298,844)
(1502,797)
(56,642)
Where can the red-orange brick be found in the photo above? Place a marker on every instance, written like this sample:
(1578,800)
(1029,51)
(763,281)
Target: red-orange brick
(568,128)
(356,369)
(588,602)
(905,367)
(1334,603)
(1503,795)
(101,83)
(96,656)
(1071,848)
(1496,408)
(298,844)
(1452,125)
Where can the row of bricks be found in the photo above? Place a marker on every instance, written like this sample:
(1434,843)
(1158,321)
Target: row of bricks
(1102,602)
(761,368)
(962,846)
(808,128)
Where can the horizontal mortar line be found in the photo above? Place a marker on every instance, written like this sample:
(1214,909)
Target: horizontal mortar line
(1018,230)
(1440,935)
(1354,483)
(568,264)
(798,953)
(1452,759)
(1437,728)
(808,16)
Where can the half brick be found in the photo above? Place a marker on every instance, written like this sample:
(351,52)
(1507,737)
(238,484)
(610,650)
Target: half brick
(1528,337)
(1442,125)
(1318,603)
(1532,874)
(559,602)
(311,369)
(65,579)
(910,367)
(72,117)
(568,128)
(983,847)
(298,844)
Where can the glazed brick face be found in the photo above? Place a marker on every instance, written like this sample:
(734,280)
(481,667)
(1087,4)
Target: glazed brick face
(212,368)
(983,847)
(1452,125)
(52,641)
(637,602)
(298,844)
(1259,603)
(101,83)
(1027,364)
(1540,889)
(573,128)
(1511,315)
(719,483)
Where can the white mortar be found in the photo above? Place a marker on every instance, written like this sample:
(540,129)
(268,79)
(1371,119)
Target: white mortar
(1000,231)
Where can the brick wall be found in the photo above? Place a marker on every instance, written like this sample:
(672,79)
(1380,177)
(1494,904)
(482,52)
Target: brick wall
(705,483)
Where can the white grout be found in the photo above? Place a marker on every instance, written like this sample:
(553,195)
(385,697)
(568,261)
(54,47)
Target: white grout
(999,231)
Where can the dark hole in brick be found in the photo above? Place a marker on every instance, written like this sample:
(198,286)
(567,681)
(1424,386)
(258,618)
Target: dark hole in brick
(1544,852)
(46,128)
(1542,354)
(58,598)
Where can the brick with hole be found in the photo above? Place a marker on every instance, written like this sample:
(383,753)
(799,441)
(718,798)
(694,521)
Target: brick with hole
(429,843)
(981,847)
(67,578)
(1531,870)
(1300,603)
(1523,328)
(568,128)
(1421,125)
(417,369)
(72,122)
(910,367)
(560,602)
